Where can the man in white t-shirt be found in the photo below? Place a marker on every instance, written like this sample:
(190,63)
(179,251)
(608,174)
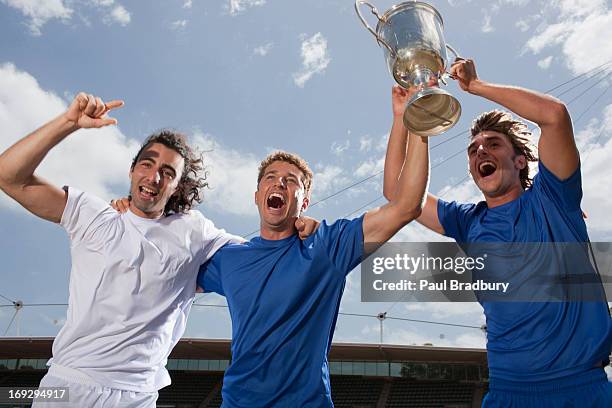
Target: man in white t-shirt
(133,275)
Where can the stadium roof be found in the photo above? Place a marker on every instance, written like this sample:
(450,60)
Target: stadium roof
(205,349)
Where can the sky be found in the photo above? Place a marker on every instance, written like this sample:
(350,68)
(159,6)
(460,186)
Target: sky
(246,77)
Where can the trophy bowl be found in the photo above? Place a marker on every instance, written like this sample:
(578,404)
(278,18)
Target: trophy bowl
(411,34)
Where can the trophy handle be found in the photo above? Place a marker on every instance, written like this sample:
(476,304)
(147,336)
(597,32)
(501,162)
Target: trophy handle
(446,73)
(370,29)
(451,49)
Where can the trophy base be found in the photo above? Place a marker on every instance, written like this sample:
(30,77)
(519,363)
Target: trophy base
(431,111)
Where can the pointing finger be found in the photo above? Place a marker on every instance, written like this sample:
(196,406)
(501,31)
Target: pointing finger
(114,104)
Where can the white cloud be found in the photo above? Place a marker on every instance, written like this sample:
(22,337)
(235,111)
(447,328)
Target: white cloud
(365,144)
(466,191)
(114,12)
(545,63)
(582,29)
(314,59)
(369,167)
(187,4)
(580,8)
(40,11)
(415,232)
(338,148)
(551,35)
(178,24)
(522,25)
(486,24)
(232,176)
(92,160)
(263,50)
(381,146)
(595,145)
(238,6)
(120,15)
(329,178)
(444,310)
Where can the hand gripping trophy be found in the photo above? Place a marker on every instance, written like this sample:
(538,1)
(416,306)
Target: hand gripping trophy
(415,51)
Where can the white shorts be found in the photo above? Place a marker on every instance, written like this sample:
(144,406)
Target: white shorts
(83,392)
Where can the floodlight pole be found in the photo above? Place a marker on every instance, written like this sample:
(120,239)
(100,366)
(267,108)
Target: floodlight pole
(381,317)
(18,307)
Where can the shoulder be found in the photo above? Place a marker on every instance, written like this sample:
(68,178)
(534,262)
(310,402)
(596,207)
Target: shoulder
(461,209)
(82,207)
(339,226)
(193,218)
(78,197)
(546,177)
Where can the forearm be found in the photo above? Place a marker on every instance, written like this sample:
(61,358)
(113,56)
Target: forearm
(394,159)
(382,223)
(18,162)
(412,184)
(543,110)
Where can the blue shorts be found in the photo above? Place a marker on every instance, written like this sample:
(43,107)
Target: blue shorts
(588,390)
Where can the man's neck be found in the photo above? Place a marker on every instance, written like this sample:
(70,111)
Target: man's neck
(276,235)
(505,198)
(142,214)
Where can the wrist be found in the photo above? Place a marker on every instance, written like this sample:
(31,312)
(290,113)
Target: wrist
(476,86)
(68,123)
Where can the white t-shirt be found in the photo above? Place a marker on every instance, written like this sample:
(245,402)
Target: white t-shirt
(132,284)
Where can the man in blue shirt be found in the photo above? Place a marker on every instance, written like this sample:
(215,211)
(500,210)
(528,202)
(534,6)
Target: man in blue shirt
(284,293)
(541,354)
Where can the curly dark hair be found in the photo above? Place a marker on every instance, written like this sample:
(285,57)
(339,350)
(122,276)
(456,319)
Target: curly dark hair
(517,133)
(192,180)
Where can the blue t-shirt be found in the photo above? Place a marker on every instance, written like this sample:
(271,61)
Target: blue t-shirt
(535,341)
(283,298)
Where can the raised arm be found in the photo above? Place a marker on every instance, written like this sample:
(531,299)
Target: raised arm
(406,202)
(396,156)
(556,148)
(19,162)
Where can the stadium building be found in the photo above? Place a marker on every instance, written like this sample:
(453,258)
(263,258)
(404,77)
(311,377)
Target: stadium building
(362,375)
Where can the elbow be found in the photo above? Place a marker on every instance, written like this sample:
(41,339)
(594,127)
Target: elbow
(411,213)
(388,193)
(558,113)
(3,181)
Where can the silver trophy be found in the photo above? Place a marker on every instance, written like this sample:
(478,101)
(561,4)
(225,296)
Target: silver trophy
(415,51)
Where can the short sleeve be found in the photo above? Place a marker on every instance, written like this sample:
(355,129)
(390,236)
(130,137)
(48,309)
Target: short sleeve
(455,219)
(209,276)
(343,241)
(213,238)
(83,216)
(567,193)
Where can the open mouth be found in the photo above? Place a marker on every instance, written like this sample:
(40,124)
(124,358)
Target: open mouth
(275,201)
(486,168)
(147,193)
